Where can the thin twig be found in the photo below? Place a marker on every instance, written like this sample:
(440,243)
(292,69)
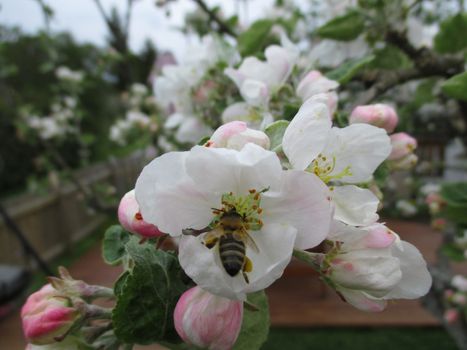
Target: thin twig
(223,28)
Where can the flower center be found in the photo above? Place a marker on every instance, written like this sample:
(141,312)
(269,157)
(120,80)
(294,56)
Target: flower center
(248,207)
(323,166)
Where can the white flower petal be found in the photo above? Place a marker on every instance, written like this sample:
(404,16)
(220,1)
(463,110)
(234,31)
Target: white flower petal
(203,265)
(359,147)
(303,202)
(307,134)
(255,93)
(362,301)
(221,170)
(169,199)
(354,205)
(416,280)
(192,130)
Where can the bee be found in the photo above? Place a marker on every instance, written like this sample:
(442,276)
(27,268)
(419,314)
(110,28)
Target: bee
(232,239)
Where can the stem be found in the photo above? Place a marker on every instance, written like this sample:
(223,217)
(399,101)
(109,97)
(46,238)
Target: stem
(312,259)
(223,27)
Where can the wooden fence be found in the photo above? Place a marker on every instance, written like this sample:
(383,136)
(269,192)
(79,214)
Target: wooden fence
(52,222)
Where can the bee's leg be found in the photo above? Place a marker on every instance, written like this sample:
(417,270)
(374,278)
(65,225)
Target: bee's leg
(210,242)
(247,267)
(194,232)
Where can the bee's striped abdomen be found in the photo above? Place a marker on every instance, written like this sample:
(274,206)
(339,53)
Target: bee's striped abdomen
(232,254)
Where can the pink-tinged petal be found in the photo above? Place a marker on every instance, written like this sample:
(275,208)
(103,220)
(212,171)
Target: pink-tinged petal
(304,203)
(362,301)
(226,131)
(307,134)
(315,83)
(208,321)
(379,236)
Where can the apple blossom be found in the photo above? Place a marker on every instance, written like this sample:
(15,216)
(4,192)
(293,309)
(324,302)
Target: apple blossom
(208,321)
(188,192)
(132,220)
(379,115)
(349,154)
(371,265)
(258,80)
(235,135)
(47,315)
(459,282)
(315,83)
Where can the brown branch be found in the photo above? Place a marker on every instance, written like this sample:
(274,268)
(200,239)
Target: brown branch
(427,63)
(213,18)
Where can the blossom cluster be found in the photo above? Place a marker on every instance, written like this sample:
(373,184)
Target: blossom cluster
(263,188)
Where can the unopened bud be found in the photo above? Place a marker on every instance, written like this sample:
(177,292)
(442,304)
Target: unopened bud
(380,115)
(235,135)
(47,316)
(402,145)
(208,321)
(131,219)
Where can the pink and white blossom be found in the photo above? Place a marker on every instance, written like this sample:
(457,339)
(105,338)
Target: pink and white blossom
(178,190)
(208,321)
(403,145)
(372,265)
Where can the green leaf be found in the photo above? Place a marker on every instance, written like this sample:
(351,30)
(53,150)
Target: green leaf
(456,87)
(147,297)
(454,192)
(345,28)
(255,326)
(451,36)
(390,57)
(252,39)
(453,252)
(275,132)
(203,141)
(113,245)
(349,69)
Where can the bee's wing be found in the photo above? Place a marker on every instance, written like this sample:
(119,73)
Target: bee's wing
(245,237)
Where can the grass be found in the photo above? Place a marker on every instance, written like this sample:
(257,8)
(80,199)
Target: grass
(359,339)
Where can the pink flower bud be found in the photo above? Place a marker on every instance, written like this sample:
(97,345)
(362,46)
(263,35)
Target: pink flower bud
(379,237)
(402,145)
(405,163)
(132,220)
(380,115)
(235,135)
(451,315)
(438,224)
(315,83)
(208,321)
(46,316)
(459,299)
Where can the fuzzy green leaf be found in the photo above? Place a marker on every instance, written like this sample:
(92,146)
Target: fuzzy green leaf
(345,28)
(147,296)
(349,69)
(451,36)
(456,87)
(275,132)
(253,38)
(255,326)
(453,252)
(113,245)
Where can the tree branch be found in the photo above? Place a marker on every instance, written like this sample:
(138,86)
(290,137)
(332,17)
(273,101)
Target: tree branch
(427,63)
(223,27)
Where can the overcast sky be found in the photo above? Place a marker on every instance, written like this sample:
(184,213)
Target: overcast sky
(83,20)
